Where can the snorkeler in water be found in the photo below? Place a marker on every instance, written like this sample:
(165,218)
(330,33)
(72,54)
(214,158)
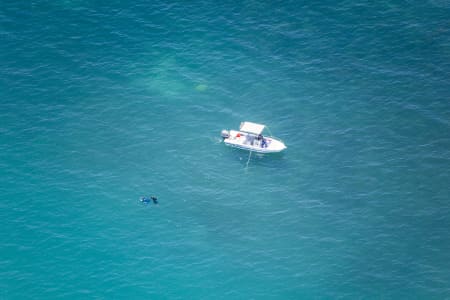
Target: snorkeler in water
(147,200)
(144,199)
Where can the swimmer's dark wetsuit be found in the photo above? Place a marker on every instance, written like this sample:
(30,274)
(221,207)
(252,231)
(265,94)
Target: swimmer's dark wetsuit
(147,199)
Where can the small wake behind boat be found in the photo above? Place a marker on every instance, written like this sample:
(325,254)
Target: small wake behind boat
(249,137)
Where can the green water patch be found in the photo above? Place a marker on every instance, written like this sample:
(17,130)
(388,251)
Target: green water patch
(164,78)
(169,78)
(201,87)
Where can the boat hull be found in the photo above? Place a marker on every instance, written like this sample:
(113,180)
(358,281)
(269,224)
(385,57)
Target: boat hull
(248,142)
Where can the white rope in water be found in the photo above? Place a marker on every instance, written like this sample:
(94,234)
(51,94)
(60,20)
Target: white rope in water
(248,160)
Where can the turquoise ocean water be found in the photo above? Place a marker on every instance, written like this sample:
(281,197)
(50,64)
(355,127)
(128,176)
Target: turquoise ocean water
(104,101)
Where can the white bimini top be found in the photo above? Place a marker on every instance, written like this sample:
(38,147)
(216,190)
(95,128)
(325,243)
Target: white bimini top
(252,127)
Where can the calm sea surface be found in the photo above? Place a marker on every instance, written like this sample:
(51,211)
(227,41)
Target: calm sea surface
(104,101)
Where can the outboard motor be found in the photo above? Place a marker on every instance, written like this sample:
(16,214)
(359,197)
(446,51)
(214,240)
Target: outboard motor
(225,134)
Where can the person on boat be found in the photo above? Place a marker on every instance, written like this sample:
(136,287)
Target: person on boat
(264,143)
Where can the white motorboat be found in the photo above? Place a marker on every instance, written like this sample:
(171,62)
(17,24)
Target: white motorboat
(249,137)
